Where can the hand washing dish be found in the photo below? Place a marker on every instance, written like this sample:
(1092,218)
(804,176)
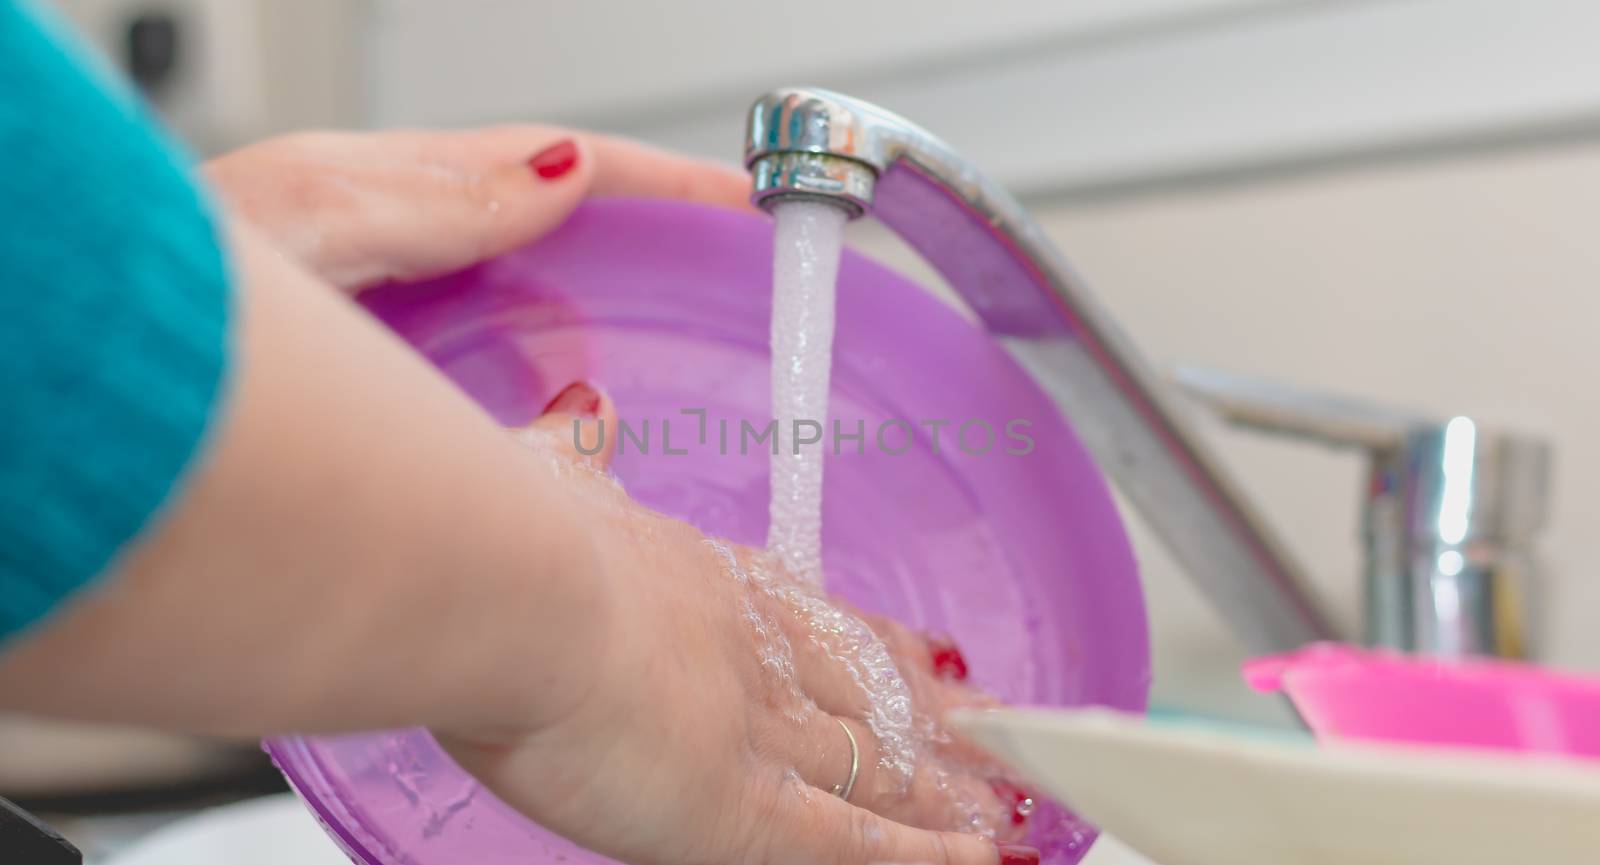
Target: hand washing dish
(1186,795)
(1349,693)
(1020,557)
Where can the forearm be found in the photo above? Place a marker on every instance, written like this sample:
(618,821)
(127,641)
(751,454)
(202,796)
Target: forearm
(359,548)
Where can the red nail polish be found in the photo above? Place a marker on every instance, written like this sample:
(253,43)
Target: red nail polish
(1016,854)
(578,398)
(555,160)
(948,662)
(1020,801)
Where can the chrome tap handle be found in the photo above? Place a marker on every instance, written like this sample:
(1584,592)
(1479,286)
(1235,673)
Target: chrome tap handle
(1450,517)
(1288,410)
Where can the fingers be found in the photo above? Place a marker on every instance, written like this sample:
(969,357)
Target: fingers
(826,756)
(361,209)
(628,168)
(933,665)
(936,654)
(938,793)
(954,782)
(440,201)
(824,677)
(926,665)
(494,190)
(618,166)
(578,424)
(828,829)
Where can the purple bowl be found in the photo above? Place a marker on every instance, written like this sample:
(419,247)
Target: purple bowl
(1021,558)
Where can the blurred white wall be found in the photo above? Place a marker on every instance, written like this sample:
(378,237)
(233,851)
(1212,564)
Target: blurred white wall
(244,69)
(1067,97)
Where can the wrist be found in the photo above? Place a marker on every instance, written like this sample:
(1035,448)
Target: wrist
(541,634)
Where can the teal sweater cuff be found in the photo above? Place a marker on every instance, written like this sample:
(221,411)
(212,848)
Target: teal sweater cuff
(113,319)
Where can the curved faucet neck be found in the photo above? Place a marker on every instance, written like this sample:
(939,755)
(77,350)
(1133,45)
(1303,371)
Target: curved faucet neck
(816,143)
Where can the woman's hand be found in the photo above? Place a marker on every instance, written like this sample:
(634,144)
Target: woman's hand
(711,731)
(358,209)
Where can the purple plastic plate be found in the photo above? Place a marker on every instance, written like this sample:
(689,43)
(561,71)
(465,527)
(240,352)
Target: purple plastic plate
(1021,557)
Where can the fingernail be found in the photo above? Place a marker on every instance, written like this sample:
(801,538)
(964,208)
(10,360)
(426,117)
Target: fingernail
(555,160)
(948,662)
(1020,801)
(1017,854)
(578,398)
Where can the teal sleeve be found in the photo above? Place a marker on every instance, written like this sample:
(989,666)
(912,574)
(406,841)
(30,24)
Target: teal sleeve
(113,318)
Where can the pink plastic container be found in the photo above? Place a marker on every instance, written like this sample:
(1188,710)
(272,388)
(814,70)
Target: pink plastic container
(1021,559)
(1345,692)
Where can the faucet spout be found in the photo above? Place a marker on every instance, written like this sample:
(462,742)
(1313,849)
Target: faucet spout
(816,143)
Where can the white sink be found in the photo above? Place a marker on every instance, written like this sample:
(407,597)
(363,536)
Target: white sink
(273,830)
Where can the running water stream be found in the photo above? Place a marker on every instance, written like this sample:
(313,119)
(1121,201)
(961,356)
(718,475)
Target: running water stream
(804,267)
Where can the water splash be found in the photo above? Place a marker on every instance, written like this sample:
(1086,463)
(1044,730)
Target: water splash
(842,637)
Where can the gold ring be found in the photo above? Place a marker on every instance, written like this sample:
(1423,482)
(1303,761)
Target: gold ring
(843,790)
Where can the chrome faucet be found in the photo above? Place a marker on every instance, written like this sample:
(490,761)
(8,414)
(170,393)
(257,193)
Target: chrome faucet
(811,143)
(1450,513)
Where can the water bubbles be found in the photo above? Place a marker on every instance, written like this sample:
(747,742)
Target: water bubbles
(848,640)
(793,781)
